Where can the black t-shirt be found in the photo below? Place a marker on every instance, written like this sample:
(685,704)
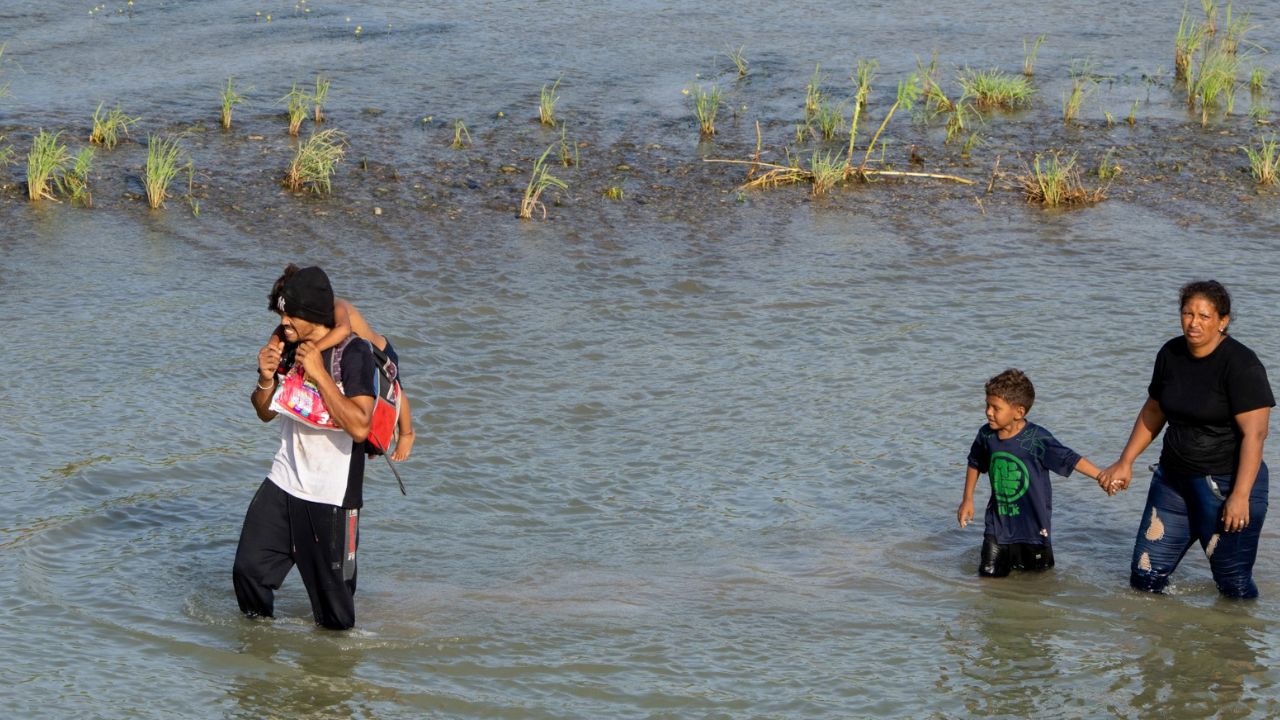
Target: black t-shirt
(1200,398)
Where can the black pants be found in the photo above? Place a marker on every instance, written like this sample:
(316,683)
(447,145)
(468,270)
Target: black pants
(281,531)
(998,559)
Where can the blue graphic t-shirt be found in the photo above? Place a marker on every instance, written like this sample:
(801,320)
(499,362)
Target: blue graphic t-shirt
(1021,496)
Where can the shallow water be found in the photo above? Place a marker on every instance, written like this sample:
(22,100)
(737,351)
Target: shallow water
(684,455)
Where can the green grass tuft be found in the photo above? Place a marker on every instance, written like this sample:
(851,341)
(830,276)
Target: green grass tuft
(46,162)
(229,100)
(296,104)
(995,88)
(109,126)
(165,159)
(547,99)
(1264,160)
(315,161)
(705,105)
(540,180)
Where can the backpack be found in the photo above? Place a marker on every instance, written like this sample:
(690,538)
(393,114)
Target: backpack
(385,418)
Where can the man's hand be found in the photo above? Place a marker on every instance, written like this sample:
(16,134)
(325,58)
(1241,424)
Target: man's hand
(311,358)
(269,357)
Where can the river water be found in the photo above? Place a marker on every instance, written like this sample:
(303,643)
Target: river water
(690,454)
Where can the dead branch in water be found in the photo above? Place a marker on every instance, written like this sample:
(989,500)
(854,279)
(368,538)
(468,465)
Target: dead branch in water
(775,175)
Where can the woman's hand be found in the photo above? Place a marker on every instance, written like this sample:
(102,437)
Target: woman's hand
(1235,513)
(1116,477)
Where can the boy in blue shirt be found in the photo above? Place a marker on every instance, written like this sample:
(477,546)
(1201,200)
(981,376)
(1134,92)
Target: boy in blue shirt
(1017,456)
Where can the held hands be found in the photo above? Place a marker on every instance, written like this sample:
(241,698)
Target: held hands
(1116,477)
(964,513)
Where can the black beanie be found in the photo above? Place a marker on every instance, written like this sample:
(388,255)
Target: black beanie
(307,295)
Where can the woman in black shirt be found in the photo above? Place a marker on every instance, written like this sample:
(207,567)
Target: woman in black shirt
(1211,483)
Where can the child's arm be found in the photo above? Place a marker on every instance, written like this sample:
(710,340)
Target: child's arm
(341,326)
(404,440)
(964,513)
(354,320)
(1093,472)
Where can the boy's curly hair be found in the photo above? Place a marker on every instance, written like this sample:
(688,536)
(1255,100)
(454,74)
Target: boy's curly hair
(1014,387)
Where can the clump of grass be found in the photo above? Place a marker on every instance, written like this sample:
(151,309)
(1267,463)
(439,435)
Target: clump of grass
(230,99)
(461,137)
(705,105)
(1191,34)
(4,88)
(74,183)
(738,59)
(109,126)
(1053,182)
(995,88)
(318,98)
(813,92)
(959,120)
(315,161)
(568,150)
(539,181)
(1264,160)
(1029,53)
(45,164)
(1234,31)
(6,153)
(935,99)
(1108,168)
(862,76)
(165,159)
(1257,80)
(826,170)
(1082,86)
(613,192)
(829,120)
(1210,8)
(547,99)
(969,143)
(1215,83)
(296,104)
(1132,119)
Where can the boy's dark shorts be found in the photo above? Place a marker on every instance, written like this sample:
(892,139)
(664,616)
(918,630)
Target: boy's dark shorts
(998,559)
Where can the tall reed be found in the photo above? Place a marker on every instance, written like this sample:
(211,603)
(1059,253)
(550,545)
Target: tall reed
(315,161)
(229,100)
(540,180)
(45,164)
(1264,160)
(1215,83)
(1191,34)
(813,92)
(1029,55)
(109,126)
(1082,86)
(1235,30)
(862,77)
(318,98)
(165,159)
(547,99)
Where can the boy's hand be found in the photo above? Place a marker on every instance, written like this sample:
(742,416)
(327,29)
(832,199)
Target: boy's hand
(403,447)
(1116,477)
(964,513)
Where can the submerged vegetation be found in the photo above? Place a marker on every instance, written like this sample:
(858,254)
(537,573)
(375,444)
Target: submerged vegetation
(547,99)
(1029,55)
(74,183)
(461,136)
(296,103)
(738,59)
(706,103)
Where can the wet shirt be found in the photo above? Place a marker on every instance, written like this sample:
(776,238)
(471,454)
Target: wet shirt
(1200,398)
(1021,495)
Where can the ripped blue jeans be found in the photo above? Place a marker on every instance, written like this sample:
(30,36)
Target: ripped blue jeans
(1181,511)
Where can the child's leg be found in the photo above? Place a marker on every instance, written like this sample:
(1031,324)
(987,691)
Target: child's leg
(1032,557)
(1231,554)
(996,560)
(1163,537)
